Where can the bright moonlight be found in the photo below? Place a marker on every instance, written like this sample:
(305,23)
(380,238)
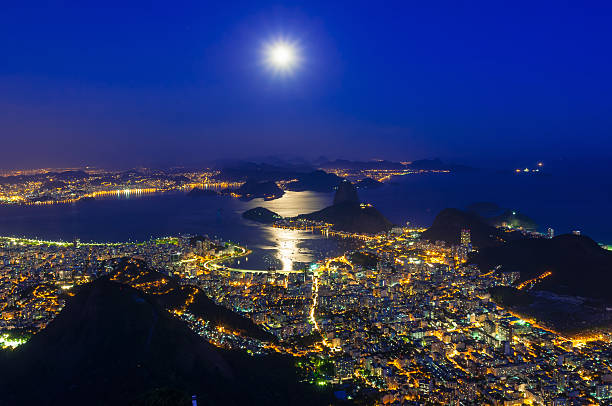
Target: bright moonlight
(282,56)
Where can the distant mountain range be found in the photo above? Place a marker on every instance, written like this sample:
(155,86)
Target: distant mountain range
(312,176)
(316,181)
(244,171)
(422,164)
(114,344)
(300,178)
(361,165)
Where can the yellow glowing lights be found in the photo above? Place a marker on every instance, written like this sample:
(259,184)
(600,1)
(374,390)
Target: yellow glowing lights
(282,56)
(529,283)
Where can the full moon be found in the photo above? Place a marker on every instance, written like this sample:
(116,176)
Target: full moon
(282,56)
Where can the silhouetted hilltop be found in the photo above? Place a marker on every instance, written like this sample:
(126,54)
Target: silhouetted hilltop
(302,176)
(448,224)
(496,215)
(252,189)
(317,181)
(243,171)
(172,296)
(368,183)
(347,214)
(261,215)
(579,266)
(72,175)
(352,217)
(513,219)
(346,193)
(113,344)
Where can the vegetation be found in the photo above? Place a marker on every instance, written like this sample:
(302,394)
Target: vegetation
(113,344)
(576,262)
(261,215)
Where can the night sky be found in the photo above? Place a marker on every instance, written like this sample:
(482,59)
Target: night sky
(158,83)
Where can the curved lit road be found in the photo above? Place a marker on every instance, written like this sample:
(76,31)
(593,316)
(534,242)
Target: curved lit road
(214,264)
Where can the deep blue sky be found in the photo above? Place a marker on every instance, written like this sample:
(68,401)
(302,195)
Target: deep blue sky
(183,82)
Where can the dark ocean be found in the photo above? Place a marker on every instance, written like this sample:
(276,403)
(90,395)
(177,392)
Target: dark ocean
(564,202)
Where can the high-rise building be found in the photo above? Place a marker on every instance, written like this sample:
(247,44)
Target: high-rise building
(489,326)
(505,331)
(466,239)
(550,233)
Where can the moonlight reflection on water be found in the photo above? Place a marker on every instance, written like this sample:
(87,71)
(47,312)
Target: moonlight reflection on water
(140,218)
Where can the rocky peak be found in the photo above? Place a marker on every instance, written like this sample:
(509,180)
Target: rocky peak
(346,193)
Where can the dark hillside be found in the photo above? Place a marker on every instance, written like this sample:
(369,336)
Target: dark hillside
(579,266)
(448,224)
(113,344)
(170,295)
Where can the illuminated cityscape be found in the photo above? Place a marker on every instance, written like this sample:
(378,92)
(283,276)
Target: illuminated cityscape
(400,317)
(305,203)
(52,186)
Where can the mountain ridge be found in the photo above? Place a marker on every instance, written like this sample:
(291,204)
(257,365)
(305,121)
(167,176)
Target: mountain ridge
(114,344)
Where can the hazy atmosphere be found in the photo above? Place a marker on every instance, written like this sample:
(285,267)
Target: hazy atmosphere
(148,83)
